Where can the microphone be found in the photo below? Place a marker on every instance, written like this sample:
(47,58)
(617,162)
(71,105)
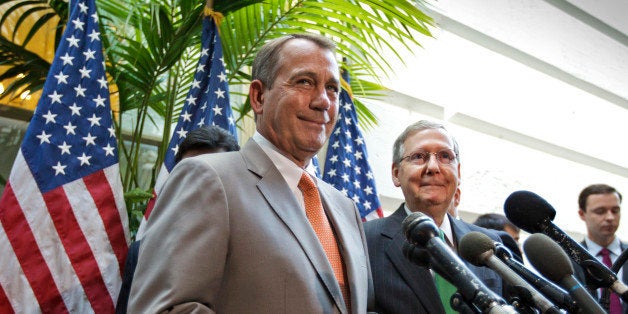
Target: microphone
(478,248)
(420,230)
(420,257)
(533,214)
(555,294)
(549,259)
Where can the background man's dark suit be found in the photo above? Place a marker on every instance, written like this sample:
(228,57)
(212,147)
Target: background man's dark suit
(580,276)
(400,285)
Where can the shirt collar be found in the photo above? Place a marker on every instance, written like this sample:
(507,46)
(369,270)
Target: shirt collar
(288,169)
(594,248)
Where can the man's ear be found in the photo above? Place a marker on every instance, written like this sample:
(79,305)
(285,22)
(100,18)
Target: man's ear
(256,96)
(395,175)
(581,214)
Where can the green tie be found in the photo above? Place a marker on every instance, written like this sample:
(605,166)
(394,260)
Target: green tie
(444,287)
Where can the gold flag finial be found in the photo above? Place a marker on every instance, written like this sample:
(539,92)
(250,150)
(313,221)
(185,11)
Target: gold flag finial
(209,11)
(345,85)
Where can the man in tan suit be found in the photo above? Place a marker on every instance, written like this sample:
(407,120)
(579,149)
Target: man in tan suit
(231,232)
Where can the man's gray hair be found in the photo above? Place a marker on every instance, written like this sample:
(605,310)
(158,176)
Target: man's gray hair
(398,149)
(266,63)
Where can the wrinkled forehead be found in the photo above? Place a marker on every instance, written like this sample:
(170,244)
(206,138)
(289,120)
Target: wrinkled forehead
(429,138)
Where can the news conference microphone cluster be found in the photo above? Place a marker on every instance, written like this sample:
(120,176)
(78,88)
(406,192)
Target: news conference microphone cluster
(549,249)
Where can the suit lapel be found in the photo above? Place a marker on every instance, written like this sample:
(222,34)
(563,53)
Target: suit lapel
(346,232)
(459,229)
(418,278)
(282,201)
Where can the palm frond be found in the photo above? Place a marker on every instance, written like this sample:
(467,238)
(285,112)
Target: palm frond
(152,48)
(27,69)
(361,29)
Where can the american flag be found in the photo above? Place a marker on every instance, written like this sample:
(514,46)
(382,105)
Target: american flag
(207,103)
(64,235)
(346,164)
(317,167)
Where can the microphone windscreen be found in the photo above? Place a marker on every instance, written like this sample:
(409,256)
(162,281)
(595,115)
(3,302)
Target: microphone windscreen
(473,245)
(417,255)
(547,257)
(408,222)
(526,210)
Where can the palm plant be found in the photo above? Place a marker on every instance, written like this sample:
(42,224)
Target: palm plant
(152,48)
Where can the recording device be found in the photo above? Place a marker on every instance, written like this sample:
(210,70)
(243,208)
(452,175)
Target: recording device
(549,259)
(554,293)
(420,230)
(479,249)
(533,214)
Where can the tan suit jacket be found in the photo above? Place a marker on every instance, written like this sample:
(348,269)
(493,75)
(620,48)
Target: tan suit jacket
(227,235)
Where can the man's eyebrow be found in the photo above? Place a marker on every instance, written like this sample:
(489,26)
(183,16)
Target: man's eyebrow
(304,73)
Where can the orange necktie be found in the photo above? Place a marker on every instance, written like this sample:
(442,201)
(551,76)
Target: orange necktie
(316,215)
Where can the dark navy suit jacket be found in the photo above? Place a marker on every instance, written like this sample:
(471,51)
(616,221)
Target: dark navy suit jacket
(127,277)
(401,286)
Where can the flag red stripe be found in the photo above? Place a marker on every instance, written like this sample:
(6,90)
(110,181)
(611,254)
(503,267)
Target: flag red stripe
(78,250)
(150,205)
(5,306)
(98,186)
(27,252)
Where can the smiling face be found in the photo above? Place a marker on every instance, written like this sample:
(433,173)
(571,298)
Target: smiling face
(601,215)
(299,111)
(429,188)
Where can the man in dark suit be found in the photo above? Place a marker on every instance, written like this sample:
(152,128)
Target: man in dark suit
(426,166)
(251,231)
(600,209)
(507,231)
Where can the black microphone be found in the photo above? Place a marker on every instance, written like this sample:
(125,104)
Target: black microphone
(533,214)
(420,257)
(420,230)
(478,248)
(550,259)
(554,293)
(416,255)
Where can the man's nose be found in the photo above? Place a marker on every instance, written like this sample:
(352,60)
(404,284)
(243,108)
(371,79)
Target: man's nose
(321,100)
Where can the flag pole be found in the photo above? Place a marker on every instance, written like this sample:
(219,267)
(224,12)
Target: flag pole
(209,11)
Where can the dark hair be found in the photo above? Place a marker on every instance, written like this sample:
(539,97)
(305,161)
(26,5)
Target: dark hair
(267,61)
(207,137)
(595,189)
(494,221)
(414,128)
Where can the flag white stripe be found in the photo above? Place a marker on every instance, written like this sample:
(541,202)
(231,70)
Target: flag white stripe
(159,183)
(372,215)
(161,178)
(93,228)
(113,177)
(13,276)
(28,195)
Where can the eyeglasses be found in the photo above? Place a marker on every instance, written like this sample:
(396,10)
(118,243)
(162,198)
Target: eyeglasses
(444,157)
